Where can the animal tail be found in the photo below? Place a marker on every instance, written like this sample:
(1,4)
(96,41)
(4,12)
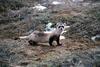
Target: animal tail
(22,37)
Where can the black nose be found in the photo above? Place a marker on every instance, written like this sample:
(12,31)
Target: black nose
(61,28)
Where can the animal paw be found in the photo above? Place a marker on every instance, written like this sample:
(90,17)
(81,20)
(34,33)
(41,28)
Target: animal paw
(32,42)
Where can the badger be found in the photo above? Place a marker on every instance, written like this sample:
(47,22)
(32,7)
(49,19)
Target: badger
(45,37)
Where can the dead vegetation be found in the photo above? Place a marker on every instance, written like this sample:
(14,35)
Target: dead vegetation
(77,50)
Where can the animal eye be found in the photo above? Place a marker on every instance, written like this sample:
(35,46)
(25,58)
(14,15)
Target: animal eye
(61,26)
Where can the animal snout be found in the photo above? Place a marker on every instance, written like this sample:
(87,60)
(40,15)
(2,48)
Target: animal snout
(61,28)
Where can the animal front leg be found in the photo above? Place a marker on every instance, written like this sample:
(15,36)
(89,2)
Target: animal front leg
(58,39)
(50,41)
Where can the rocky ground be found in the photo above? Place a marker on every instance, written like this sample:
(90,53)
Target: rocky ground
(78,50)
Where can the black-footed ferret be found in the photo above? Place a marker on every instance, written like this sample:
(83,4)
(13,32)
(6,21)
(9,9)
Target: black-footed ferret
(43,37)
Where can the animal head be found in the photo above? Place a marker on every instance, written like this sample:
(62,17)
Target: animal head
(60,26)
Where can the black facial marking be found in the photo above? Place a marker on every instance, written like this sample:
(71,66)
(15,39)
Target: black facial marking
(61,26)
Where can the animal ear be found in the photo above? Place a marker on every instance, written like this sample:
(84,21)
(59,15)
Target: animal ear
(65,24)
(57,24)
